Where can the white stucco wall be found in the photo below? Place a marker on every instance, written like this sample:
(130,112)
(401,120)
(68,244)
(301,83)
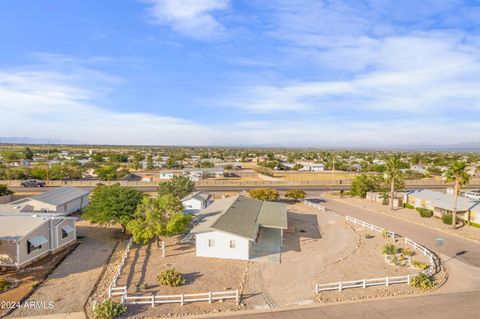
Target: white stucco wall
(222,246)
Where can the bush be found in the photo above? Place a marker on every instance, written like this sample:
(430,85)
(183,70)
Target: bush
(389,249)
(407,252)
(171,277)
(267,194)
(4,191)
(409,206)
(422,281)
(264,171)
(108,309)
(4,285)
(474,224)
(447,218)
(424,212)
(420,265)
(141,286)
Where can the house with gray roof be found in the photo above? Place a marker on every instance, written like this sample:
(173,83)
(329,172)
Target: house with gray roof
(62,201)
(441,203)
(196,201)
(240,228)
(27,238)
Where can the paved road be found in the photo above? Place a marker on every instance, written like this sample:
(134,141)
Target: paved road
(461,249)
(448,306)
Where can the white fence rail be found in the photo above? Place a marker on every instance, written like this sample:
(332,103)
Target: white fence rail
(153,299)
(315,205)
(362,283)
(432,257)
(113,290)
(390,234)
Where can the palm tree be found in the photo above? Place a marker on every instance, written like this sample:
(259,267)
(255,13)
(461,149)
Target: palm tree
(457,173)
(393,175)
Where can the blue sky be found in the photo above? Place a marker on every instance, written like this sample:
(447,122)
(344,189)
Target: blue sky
(231,72)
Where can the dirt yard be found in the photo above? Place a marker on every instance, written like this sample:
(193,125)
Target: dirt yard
(201,275)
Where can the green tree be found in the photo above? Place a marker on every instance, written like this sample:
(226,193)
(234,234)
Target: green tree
(11,156)
(111,205)
(27,153)
(393,176)
(178,186)
(362,184)
(295,194)
(155,217)
(107,172)
(137,158)
(4,190)
(457,173)
(264,194)
(149,162)
(118,158)
(97,158)
(39,172)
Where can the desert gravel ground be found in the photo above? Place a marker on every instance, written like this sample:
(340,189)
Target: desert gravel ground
(70,284)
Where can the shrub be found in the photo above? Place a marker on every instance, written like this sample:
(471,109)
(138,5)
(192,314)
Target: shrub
(420,265)
(424,212)
(108,309)
(407,252)
(4,285)
(267,194)
(141,286)
(447,218)
(474,224)
(264,171)
(422,281)
(171,277)
(4,191)
(389,249)
(408,205)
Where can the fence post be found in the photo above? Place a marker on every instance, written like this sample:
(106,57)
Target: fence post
(408,279)
(153,300)
(209,297)
(340,286)
(364,283)
(237,297)
(386,281)
(163,249)
(181,299)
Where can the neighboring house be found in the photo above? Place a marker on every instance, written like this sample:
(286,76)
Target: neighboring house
(61,201)
(26,238)
(312,167)
(196,201)
(196,174)
(131,177)
(21,163)
(166,175)
(240,228)
(441,203)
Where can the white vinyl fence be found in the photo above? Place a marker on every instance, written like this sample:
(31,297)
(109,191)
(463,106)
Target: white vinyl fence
(315,205)
(362,283)
(432,257)
(390,234)
(385,281)
(125,298)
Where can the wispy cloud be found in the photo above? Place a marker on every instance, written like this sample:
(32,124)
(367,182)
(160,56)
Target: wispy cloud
(192,18)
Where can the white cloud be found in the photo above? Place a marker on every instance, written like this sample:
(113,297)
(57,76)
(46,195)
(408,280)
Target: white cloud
(193,18)
(415,73)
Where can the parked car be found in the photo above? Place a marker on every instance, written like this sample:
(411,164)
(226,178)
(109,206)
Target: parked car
(32,183)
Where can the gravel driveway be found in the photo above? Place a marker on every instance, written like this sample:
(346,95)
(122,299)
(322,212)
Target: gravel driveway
(68,287)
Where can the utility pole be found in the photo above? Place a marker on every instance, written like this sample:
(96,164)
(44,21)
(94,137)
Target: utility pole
(48,163)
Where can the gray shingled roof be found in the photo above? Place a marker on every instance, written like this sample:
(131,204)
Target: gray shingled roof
(60,196)
(241,216)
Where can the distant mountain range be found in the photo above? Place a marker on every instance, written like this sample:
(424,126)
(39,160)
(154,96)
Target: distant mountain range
(465,146)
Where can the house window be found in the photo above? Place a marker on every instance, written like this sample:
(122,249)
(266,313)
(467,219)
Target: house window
(31,248)
(211,243)
(232,244)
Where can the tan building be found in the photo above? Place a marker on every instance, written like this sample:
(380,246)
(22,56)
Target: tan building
(24,239)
